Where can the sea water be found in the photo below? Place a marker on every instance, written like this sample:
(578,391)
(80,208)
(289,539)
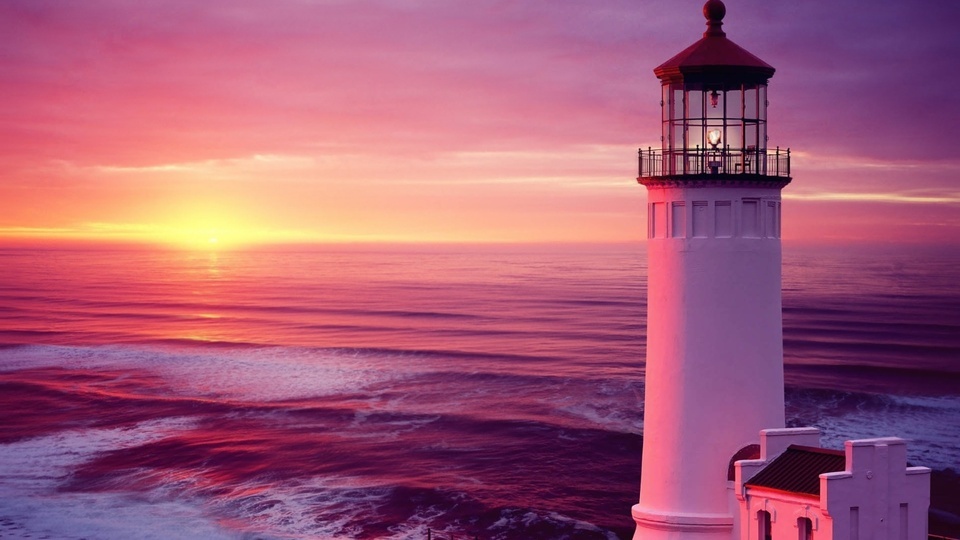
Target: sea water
(378,392)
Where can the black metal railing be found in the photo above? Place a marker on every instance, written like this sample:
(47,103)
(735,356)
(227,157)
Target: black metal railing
(700,161)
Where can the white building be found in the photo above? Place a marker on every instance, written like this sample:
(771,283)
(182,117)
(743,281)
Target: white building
(714,369)
(798,490)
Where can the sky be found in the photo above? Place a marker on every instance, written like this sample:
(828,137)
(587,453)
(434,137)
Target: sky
(242,121)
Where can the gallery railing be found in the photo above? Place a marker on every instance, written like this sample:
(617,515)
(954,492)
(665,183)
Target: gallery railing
(699,161)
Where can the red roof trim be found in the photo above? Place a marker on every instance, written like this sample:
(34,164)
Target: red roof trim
(714,53)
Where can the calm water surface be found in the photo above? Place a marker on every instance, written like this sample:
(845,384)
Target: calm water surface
(375,393)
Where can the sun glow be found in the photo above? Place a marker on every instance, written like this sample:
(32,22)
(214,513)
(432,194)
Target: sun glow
(170,236)
(207,238)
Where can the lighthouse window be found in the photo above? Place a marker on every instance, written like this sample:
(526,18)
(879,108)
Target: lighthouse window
(665,104)
(695,135)
(779,222)
(677,140)
(771,217)
(735,104)
(724,219)
(700,217)
(750,221)
(677,102)
(762,97)
(734,136)
(750,139)
(658,221)
(694,104)
(678,220)
(750,103)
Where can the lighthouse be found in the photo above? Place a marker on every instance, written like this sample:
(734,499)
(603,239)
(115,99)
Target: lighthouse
(714,365)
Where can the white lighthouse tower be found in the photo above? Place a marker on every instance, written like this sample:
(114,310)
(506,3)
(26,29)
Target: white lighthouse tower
(714,367)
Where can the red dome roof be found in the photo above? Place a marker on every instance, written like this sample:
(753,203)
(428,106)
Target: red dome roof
(714,58)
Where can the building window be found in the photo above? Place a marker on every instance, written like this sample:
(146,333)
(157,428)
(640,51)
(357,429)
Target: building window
(763,523)
(904,523)
(854,523)
(805,527)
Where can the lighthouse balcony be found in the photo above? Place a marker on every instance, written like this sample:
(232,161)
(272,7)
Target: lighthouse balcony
(698,163)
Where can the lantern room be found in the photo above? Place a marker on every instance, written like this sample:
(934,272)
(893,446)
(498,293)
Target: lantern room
(714,110)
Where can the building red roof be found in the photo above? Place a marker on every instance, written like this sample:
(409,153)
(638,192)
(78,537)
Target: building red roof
(798,470)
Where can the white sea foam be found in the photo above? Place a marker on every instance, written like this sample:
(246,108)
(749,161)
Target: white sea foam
(512,520)
(33,470)
(608,405)
(259,374)
(274,373)
(330,507)
(32,506)
(107,517)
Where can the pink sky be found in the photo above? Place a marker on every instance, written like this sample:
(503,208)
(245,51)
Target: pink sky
(438,120)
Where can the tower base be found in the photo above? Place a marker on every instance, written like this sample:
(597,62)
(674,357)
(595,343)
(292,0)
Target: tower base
(656,525)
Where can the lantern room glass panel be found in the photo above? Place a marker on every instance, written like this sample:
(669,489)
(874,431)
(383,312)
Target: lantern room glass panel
(694,104)
(695,136)
(677,102)
(714,126)
(762,104)
(665,104)
(734,99)
(751,141)
(734,138)
(751,103)
(676,135)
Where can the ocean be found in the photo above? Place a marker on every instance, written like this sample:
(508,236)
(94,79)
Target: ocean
(380,392)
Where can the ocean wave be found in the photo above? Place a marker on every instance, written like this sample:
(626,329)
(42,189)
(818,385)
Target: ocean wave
(33,504)
(929,423)
(246,373)
(299,442)
(386,460)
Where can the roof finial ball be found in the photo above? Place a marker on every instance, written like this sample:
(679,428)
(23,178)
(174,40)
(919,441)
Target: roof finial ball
(714,10)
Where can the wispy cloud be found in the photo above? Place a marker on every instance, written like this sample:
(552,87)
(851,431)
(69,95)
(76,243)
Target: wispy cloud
(213,168)
(899,198)
(811,161)
(34,231)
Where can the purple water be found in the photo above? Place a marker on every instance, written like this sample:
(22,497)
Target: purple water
(376,393)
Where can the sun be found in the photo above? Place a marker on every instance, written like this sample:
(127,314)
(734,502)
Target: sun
(212,240)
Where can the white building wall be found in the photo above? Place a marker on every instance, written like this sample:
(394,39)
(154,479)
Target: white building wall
(878,497)
(786,510)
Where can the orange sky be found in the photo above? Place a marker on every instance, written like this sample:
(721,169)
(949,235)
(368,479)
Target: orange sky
(385,120)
